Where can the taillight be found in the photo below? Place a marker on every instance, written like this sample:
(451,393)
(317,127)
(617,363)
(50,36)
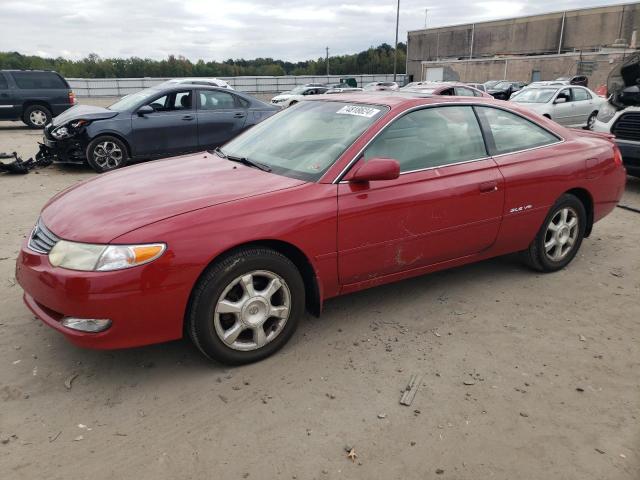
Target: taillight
(72,97)
(617,156)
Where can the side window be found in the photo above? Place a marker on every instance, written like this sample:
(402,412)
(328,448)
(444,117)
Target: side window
(431,137)
(216,100)
(565,93)
(580,94)
(464,92)
(448,91)
(181,101)
(159,104)
(512,133)
(38,80)
(3,82)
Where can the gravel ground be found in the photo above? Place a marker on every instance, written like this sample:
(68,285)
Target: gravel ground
(524,376)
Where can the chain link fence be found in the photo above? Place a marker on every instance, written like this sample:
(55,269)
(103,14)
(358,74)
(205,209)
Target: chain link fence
(118,87)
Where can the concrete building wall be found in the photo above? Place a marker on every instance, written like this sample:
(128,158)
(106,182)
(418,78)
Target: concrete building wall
(595,65)
(584,30)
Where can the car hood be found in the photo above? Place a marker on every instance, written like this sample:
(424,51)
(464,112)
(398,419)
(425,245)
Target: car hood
(105,207)
(283,96)
(83,112)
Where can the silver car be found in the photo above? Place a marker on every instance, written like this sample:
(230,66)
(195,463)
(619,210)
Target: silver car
(569,105)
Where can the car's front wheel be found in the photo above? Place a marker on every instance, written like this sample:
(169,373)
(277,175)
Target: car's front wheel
(560,236)
(246,306)
(106,153)
(591,120)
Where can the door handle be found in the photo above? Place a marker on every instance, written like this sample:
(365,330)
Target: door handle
(187,117)
(487,187)
(238,115)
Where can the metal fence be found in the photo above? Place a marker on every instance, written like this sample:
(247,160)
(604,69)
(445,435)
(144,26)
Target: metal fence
(117,87)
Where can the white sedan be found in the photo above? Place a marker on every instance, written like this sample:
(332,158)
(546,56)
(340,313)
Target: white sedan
(286,99)
(570,105)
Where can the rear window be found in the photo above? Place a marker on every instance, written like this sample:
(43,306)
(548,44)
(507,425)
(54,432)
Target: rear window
(38,80)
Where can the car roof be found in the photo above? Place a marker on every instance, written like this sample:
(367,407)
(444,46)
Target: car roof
(400,99)
(181,86)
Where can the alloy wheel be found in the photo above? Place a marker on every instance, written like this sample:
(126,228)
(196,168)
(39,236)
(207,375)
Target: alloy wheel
(38,118)
(561,235)
(108,155)
(252,310)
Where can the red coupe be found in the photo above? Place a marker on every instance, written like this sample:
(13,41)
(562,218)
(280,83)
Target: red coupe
(329,197)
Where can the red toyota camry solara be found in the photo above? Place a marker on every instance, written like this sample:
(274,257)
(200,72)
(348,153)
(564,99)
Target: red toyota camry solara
(328,197)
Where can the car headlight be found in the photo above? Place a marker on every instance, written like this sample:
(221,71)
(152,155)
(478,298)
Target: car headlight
(60,133)
(606,113)
(102,258)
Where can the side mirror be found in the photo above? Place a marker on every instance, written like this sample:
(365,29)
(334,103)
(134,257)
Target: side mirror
(374,169)
(561,100)
(144,110)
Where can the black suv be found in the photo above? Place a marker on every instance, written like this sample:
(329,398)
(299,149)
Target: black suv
(33,96)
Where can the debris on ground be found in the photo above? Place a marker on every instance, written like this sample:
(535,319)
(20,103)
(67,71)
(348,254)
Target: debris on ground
(352,455)
(469,382)
(55,437)
(601,452)
(582,338)
(69,381)
(382,416)
(439,471)
(410,390)
(22,167)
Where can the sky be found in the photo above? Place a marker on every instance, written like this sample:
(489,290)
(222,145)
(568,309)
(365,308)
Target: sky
(220,29)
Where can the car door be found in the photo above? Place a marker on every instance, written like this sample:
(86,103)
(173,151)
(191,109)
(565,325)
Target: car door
(7,99)
(221,116)
(563,112)
(583,105)
(446,204)
(170,129)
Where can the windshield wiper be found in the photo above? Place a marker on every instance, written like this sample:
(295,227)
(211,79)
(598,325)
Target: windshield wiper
(244,160)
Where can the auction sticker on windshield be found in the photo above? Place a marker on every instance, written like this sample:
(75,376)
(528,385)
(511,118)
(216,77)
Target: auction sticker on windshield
(358,110)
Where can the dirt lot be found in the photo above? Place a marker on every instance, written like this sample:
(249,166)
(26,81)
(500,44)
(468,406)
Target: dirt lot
(552,364)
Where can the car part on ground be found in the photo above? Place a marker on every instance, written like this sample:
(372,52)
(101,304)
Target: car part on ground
(20,166)
(289,215)
(157,122)
(33,96)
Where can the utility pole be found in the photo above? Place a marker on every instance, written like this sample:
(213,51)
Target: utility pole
(327,49)
(426,12)
(395,51)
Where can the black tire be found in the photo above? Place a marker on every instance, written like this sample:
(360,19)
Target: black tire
(293,103)
(202,315)
(537,257)
(106,153)
(591,120)
(36,116)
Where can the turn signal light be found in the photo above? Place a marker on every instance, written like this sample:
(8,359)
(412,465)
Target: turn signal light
(617,156)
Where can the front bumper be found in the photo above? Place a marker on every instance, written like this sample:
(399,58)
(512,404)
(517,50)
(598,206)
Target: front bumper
(67,150)
(142,306)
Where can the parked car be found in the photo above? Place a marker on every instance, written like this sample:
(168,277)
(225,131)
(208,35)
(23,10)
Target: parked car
(33,96)
(381,86)
(445,88)
(490,84)
(503,90)
(620,115)
(302,92)
(571,106)
(156,122)
(581,80)
(332,196)
(213,82)
(342,90)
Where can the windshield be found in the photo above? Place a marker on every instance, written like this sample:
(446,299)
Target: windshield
(130,101)
(534,95)
(303,141)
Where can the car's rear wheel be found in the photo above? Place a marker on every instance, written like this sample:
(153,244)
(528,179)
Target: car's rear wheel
(246,306)
(560,236)
(591,120)
(36,116)
(106,153)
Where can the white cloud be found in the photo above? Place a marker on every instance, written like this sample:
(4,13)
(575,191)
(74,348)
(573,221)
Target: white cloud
(220,29)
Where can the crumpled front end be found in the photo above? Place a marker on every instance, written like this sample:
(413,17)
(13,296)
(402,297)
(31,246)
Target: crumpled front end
(64,143)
